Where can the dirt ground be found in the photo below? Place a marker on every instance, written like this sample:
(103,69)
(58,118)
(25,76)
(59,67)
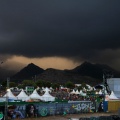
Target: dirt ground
(73,116)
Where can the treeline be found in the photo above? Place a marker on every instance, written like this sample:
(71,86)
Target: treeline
(39,83)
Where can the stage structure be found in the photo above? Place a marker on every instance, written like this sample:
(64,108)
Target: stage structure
(114,85)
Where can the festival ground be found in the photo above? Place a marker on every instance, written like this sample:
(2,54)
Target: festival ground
(75,116)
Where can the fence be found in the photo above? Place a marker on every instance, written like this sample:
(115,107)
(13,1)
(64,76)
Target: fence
(55,108)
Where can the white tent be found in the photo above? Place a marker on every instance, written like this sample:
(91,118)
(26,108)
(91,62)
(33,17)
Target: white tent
(22,96)
(73,92)
(100,92)
(43,88)
(51,88)
(10,95)
(47,96)
(81,92)
(35,95)
(89,87)
(46,89)
(112,96)
(84,94)
(77,92)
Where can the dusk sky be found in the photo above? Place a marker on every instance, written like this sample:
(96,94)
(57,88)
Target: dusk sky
(59,34)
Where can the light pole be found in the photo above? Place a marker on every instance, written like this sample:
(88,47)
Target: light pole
(6,102)
(104,87)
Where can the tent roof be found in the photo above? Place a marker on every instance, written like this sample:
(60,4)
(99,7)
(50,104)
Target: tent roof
(9,94)
(100,92)
(112,96)
(35,95)
(73,92)
(22,95)
(77,92)
(47,97)
(46,89)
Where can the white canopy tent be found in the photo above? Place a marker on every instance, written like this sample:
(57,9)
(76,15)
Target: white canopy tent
(10,95)
(77,92)
(35,95)
(22,96)
(47,96)
(100,92)
(73,92)
(46,89)
(112,96)
(81,92)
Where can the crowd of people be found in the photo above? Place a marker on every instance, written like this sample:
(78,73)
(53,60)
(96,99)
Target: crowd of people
(64,95)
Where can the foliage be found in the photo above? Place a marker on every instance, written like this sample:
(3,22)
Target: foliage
(20,86)
(48,84)
(28,83)
(39,83)
(70,85)
(84,85)
(80,88)
(43,83)
(55,85)
(12,84)
(4,83)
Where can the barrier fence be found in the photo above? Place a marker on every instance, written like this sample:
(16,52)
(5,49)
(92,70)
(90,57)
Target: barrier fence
(54,108)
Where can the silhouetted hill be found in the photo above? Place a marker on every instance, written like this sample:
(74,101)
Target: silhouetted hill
(85,73)
(95,70)
(63,76)
(28,72)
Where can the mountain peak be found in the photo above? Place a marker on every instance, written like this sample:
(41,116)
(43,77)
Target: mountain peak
(31,64)
(28,72)
(94,70)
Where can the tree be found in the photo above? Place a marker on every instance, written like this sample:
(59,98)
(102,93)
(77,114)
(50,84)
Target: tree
(4,83)
(84,85)
(29,83)
(55,85)
(12,84)
(48,84)
(20,86)
(39,83)
(70,85)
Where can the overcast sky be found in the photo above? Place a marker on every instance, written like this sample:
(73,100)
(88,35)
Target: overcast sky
(60,33)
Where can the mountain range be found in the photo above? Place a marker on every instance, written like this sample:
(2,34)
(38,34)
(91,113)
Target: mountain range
(85,73)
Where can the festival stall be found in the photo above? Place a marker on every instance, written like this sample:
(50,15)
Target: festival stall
(22,96)
(35,95)
(9,95)
(47,96)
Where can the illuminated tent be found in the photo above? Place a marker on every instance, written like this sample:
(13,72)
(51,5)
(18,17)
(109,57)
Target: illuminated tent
(10,95)
(47,96)
(22,96)
(35,95)
(82,93)
(46,89)
(73,92)
(77,92)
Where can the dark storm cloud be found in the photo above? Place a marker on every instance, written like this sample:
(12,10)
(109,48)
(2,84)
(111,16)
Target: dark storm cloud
(65,28)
